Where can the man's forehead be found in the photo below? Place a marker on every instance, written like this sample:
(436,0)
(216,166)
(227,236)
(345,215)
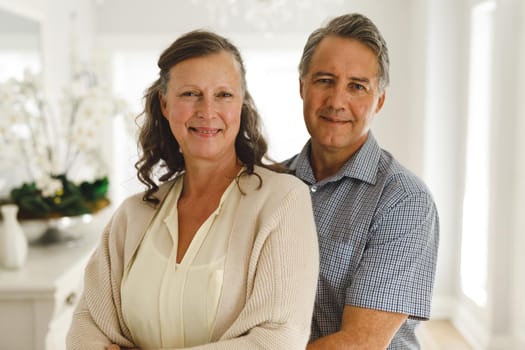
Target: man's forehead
(335,55)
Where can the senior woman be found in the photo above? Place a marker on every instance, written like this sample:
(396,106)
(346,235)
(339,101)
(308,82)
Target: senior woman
(220,252)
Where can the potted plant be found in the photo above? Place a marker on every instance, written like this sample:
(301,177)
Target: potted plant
(60,152)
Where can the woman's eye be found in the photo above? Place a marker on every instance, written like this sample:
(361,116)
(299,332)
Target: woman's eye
(189,94)
(225,94)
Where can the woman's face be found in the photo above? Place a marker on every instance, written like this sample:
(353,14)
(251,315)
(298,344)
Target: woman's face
(202,104)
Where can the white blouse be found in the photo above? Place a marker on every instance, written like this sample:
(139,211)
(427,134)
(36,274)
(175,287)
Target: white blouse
(169,305)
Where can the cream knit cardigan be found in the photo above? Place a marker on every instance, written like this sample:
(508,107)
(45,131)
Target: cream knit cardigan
(270,272)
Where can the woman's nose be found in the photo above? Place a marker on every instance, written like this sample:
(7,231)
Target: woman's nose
(205,107)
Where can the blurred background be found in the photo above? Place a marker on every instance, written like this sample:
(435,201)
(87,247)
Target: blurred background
(453,112)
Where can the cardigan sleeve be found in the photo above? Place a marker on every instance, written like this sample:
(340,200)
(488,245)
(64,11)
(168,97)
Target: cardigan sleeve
(95,323)
(285,260)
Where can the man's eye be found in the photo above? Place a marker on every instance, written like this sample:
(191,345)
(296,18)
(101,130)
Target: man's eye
(358,89)
(324,81)
(356,86)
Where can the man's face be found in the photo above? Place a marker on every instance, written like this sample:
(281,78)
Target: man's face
(340,95)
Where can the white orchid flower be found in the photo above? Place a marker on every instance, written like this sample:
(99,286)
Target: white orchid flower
(49,186)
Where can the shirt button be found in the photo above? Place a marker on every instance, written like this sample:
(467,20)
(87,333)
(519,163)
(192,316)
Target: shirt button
(313,189)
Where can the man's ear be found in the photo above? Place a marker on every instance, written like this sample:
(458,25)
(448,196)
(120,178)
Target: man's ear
(301,87)
(381,101)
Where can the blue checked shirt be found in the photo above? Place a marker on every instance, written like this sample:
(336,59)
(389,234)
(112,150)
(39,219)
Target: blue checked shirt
(378,239)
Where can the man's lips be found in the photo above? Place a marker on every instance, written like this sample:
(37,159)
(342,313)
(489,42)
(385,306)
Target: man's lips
(335,120)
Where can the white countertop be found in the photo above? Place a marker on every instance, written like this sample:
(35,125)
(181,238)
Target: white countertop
(47,265)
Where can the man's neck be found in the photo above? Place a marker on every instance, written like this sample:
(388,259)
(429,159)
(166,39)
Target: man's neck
(326,163)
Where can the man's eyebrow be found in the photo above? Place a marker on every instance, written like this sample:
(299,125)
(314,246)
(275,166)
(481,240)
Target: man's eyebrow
(322,74)
(359,79)
(332,75)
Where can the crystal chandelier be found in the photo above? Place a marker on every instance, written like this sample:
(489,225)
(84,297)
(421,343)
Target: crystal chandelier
(267,16)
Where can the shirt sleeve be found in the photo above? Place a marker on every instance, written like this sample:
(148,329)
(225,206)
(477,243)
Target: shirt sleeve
(397,269)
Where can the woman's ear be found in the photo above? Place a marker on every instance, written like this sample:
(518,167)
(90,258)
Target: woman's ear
(162,102)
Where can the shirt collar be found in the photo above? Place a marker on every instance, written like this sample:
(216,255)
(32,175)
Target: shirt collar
(362,165)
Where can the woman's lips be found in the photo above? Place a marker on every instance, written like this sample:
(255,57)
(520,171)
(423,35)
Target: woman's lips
(203,131)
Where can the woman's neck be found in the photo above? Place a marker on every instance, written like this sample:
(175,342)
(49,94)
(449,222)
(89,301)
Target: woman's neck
(202,179)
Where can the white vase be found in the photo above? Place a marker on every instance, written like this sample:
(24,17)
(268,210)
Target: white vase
(13,242)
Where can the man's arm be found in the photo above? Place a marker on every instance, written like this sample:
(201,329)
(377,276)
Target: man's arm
(362,329)
(396,272)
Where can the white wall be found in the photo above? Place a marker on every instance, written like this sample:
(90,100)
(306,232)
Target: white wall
(60,21)
(499,324)
(519,197)
(444,81)
(32,9)
(506,156)
(19,44)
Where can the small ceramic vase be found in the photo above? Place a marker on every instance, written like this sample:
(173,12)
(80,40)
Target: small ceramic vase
(13,242)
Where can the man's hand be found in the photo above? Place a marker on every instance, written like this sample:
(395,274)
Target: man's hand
(362,329)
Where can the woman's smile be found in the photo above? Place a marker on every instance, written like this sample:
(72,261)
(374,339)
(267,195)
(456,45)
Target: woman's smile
(205,132)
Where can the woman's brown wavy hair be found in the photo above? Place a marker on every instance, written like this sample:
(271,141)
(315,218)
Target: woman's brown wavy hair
(159,150)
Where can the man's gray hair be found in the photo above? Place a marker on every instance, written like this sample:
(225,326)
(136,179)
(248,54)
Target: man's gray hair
(352,26)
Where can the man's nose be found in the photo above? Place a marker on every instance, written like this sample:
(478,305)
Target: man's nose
(337,97)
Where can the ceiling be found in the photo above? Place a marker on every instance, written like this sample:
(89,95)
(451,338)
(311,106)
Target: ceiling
(244,16)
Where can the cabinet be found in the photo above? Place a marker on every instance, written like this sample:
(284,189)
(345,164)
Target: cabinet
(37,301)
